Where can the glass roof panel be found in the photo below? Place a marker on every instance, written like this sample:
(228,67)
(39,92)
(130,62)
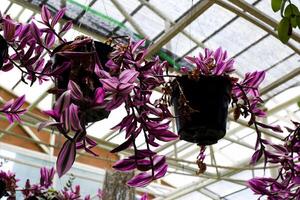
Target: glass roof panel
(130,5)
(241,41)
(224,187)
(151,23)
(210,21)
(14,10)
(180,44)
(4,5)
(107,7)
(173,178)
(103,127)
(193,196)
(173,9)
(262,55)
(25,16)
(246,194)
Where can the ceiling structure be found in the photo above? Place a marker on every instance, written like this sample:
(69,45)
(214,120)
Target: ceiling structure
(175,29)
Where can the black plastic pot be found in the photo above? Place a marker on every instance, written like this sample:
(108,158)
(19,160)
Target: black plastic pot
(202,109)
(82,73)
(3,191)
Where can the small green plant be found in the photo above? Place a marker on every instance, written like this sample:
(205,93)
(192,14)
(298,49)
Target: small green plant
(290,18)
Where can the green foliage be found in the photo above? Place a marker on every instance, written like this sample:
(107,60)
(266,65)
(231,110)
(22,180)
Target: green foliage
(276,5)
(290,18)
(291,11)
(298,21)
(284,30)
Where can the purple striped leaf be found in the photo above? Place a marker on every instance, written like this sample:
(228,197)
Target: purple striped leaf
(36,33)
(140,180)
(58,16)
(110,84)
(160,172)
(128,76)
(46,124)
(9,117)
(99,95)
(124,123)
(144,197)
(164,135)
(88,149)
(52,113)
(65,119)
(59,70)
(123,146)
(137,45)
(66,27)
(144,165)
(18,103)
(142,153)
(45,14)
(125,165)
(90,141)
(276,128)
(39,65)
(7,105)
(114,103)
(49,40)
(7,67)
(9,29)
(63,102)
(76,92)
(66,157)
(258,186)
(256,156)
(74,119)
(158,161)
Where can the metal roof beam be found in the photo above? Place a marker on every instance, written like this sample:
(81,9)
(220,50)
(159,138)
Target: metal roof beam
(209,194)
(125,20)
(194,12)
(259,20)
(195,186)
(129,18)
(280,81)
(260,15)
(165,17)
(36,138)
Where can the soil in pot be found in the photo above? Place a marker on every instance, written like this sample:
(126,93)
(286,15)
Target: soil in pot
(201,107)
(82,73)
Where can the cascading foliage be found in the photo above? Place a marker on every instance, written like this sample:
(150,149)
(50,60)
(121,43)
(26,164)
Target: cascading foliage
(129,80)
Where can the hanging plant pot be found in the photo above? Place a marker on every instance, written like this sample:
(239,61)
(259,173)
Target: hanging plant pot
(82,72)
(201,107)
